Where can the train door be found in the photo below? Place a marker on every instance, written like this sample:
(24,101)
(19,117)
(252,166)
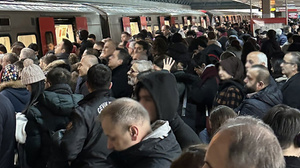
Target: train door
(161,21)
(5,38)
(47,32)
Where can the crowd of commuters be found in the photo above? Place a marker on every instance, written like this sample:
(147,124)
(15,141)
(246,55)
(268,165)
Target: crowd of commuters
(217,97)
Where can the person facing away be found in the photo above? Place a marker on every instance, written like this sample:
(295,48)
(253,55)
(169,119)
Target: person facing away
(290,90)
(134,141)
(239,143)
(158,93)
(84,144)
(285,122)
(261,94)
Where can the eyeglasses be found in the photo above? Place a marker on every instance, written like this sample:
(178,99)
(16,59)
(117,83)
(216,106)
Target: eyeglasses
(284,62)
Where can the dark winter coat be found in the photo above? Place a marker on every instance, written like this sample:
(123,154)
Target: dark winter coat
(291,91)
(51,113)
(84,143)
(292,161)
(7,133)
(259,103)
(81,87)
(150,153)
(16,92)
(120,87)
(179,52)
(63,56)
(203,95)
(163,89)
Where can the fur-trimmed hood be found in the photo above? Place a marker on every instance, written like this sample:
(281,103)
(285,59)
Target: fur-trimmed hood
(56,63)
(12,84)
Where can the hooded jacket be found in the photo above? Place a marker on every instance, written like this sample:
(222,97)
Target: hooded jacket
(163,88)
(16,92)
(84,143)
(50,114)
(259,103)
(157,150)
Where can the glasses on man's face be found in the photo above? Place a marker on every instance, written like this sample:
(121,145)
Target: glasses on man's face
(284,62)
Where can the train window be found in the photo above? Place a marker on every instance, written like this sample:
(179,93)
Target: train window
(5,40)
(4,22)
(167,22)
(181,26)
(27,39)
(149,28)
(49,37)
(64,31)
(155,28)
(134,26)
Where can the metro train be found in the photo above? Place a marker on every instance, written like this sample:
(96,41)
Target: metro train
(50,22)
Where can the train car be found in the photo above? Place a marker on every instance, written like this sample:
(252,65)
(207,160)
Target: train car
(50,22)
(44,23)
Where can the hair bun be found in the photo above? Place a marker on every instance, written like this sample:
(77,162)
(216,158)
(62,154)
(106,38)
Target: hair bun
(27,62)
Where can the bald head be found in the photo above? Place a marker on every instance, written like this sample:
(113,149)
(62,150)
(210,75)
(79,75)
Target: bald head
(86,62)
(248,142)
(256,58)
(108,49)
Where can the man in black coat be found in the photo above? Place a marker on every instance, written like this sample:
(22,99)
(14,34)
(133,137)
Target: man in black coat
(84,143)
(262,95)
(158,93)
(7,132)
(291,90)
(118,63)
(135,142)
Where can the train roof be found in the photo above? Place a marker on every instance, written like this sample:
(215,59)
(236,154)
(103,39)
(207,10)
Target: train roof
(43,7)
(109,9)
(113,9)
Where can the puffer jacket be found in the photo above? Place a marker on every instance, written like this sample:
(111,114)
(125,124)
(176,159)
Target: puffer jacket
(258,104)
(51,113)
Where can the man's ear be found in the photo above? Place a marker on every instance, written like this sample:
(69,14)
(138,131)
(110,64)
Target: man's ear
(110,85)
(134,132)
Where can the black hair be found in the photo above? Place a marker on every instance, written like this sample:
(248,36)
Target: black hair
(3,48)
(176,38)
(285,122)
(92,36)
(34,47)
(99,77)
(144,44)
(37,89)
(123,55)
(58,76)
(68,46)
(47,59)
(83,34)
(141,36)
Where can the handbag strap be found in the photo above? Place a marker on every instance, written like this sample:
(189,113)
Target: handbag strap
(184,102)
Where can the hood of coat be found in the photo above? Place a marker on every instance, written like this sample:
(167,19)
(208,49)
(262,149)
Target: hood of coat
(12,84)
(163,88)
(59,100)
(159,147)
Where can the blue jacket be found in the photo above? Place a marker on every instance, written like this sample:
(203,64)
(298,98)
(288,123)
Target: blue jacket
(16,92)
(259,104)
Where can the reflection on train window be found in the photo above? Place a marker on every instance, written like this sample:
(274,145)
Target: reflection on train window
(5,40)
(155,28)
(149,29)
(188,22)
(27,39)
(134,26)
(64,31)
(181,26)
(49,38)
(167,22)
(176,25)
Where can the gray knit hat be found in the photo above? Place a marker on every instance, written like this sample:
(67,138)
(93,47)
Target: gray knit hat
(31,73)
